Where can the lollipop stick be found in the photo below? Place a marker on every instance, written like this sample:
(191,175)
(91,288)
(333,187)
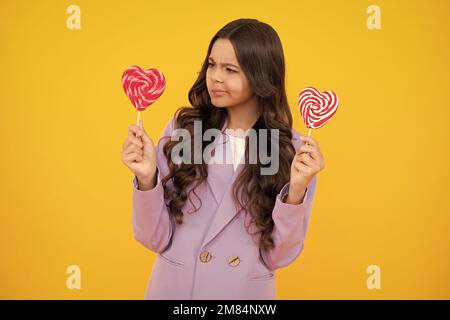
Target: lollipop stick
(309,135)
(138,118)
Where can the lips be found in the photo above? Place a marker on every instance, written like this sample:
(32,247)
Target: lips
(218,93)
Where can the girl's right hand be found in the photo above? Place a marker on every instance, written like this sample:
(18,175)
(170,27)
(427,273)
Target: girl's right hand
(139,155)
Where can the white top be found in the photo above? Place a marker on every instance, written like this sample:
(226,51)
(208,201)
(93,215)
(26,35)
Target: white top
(237,149)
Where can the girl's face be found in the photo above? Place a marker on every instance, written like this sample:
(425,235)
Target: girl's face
(226,82)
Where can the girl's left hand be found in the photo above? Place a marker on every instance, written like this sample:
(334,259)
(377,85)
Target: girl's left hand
(307,162)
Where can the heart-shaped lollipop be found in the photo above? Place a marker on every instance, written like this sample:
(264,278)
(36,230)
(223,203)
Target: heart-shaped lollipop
(317,107)
(143,87)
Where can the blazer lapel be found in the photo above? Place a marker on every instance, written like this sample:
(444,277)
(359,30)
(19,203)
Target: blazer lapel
(221,177)
(220,174)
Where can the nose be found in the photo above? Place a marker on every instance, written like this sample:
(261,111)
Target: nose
(216,76)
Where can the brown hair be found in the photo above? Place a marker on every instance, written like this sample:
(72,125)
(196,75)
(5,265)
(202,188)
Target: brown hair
(260,55)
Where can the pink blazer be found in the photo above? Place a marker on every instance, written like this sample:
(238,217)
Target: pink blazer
(211,255)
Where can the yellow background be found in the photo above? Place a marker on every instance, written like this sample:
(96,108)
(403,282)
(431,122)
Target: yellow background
(66,196)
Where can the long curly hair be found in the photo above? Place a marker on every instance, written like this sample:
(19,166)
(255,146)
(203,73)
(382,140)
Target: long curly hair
(260,54)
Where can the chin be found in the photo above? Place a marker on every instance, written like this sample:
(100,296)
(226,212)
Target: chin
(219,104)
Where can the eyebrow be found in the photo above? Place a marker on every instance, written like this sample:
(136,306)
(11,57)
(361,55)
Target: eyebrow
(224,64)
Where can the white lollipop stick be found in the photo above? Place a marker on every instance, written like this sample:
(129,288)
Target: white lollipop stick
(309,135)
(138,118)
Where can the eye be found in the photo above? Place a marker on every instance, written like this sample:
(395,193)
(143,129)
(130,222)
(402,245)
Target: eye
(230,70)
(210,64)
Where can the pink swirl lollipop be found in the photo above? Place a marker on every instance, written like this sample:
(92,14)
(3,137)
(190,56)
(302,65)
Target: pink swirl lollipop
(143,87)
(316,107)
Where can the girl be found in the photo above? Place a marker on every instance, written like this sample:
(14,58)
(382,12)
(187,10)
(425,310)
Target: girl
(222,229)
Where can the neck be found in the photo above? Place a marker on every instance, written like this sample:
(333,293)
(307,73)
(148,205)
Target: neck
(243,116)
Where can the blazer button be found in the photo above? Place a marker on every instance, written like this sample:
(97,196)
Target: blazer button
(233,261)
(205,256)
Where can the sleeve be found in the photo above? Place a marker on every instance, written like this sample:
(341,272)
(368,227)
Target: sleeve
(290,226)
(153,227)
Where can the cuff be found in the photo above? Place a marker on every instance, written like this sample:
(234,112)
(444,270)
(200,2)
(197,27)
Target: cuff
(157,186)
(284,192)
(142,200)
